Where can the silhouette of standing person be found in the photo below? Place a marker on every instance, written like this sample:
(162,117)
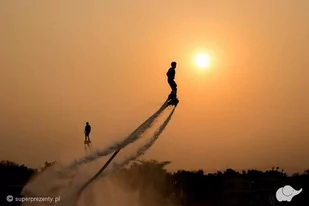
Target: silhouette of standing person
(87,132)
(170,79)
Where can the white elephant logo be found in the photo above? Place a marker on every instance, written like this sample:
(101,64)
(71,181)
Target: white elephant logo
(286,193)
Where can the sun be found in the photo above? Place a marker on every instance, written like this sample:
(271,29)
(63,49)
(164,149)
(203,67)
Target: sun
(202,60)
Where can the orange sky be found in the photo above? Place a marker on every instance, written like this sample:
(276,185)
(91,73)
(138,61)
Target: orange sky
(67,62)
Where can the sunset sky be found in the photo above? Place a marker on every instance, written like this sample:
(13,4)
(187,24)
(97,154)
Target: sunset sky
(67,62)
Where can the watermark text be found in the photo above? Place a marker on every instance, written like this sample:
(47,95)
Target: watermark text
(10,198)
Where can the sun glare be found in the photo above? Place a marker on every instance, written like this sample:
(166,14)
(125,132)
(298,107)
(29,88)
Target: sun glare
(202,60)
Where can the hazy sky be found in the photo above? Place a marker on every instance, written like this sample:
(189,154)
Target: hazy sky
(66,62)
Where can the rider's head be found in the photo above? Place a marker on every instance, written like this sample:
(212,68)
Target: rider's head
(87,123)
(173,65)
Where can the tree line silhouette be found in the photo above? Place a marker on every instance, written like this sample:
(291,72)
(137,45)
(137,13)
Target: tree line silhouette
(185,188)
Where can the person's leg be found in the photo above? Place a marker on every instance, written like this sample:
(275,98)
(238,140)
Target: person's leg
(173,86)
(170,96)
(174,89)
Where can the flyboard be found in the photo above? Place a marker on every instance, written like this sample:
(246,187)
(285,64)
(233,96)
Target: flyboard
(87,145)
(172,100)
(87,142)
